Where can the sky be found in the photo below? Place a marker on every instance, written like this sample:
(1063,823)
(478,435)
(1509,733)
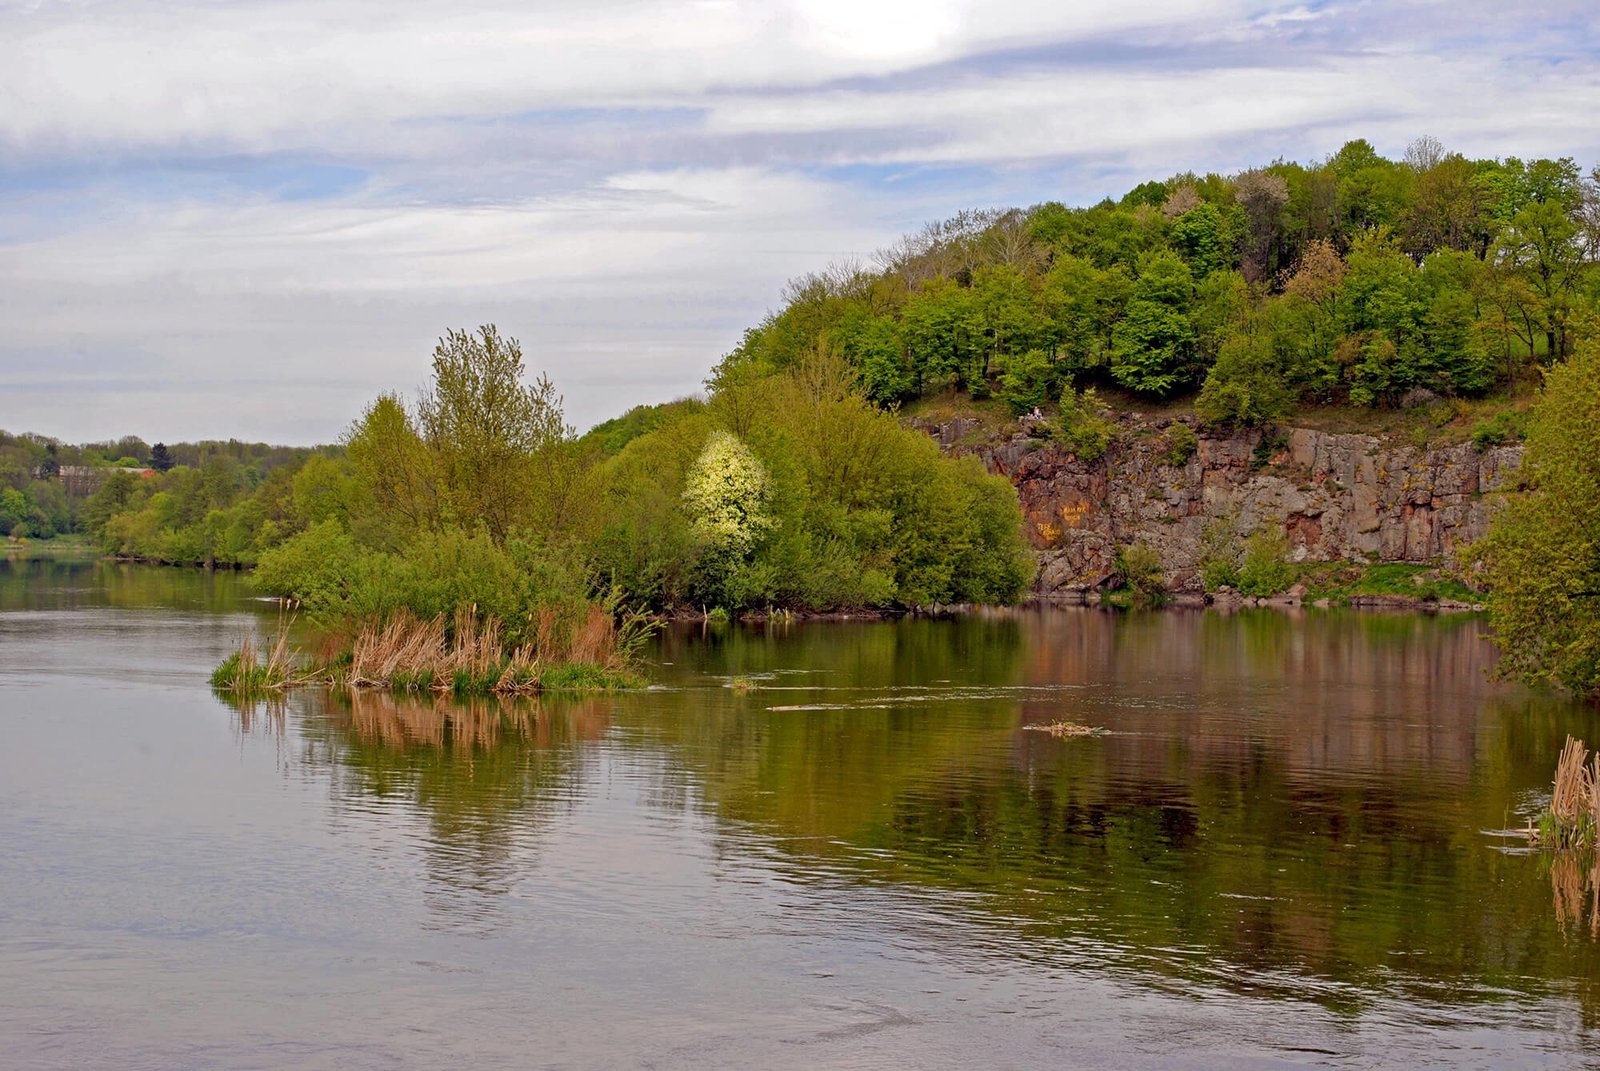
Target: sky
(226,219)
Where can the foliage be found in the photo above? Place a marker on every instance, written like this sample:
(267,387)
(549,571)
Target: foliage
(492,436)
(1138,569)
(1542,555)
(1182,443)
(1351,280)
(1221,553)
(1506,426)
(1081,424)
(1265,568)
(826,501)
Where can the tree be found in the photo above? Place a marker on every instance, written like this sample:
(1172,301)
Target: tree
(1263,197)
(485,426)
(1542,554)
(396,470)
(1541,243)
(725,494)
(161,458)
(1250,383)
(1153,347)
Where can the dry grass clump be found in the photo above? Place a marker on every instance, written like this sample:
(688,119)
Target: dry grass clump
(1573,817)
(248,672)
(467,655)
(1067,728)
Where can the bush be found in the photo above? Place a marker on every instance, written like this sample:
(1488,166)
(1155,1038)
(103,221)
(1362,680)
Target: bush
(1248,386)
(1221,554)
(1504,427)
(1082,426)
(1139,569)
(1029,380)
(1265,569)
(1182,442)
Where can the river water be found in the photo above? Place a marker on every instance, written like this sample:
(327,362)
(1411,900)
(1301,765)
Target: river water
(815,845)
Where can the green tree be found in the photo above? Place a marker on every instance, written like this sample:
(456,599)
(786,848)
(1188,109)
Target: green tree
(1542,555)
(1153,346)
(485,427)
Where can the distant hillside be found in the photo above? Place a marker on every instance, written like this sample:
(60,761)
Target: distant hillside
(1357,281)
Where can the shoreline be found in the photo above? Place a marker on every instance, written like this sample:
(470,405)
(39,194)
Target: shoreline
(1224,601)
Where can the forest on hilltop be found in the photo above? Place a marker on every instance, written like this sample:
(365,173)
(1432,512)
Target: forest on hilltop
(1354,281)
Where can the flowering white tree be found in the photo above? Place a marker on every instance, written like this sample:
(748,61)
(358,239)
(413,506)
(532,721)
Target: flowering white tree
(726,494)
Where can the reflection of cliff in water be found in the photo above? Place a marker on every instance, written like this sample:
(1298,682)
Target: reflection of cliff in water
(1363,694)
(1282,802)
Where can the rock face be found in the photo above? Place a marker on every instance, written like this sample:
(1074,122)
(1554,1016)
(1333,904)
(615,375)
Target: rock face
(1332,496)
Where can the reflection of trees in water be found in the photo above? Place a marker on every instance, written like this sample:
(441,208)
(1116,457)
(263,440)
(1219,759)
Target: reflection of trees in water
(1281,797)
(76,583)
(485,773)
(914,651)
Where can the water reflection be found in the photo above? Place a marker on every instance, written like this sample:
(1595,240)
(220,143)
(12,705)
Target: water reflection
(1280,850)
(1282,806)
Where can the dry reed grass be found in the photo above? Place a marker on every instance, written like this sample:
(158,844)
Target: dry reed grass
(250,671)
(1067,728)
(468,655)
(1574,813)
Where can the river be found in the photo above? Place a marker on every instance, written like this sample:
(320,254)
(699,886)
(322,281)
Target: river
(809,845)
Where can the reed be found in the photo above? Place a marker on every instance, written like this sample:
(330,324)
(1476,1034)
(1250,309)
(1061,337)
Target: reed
(249,672)
(466,655)
(1573,817)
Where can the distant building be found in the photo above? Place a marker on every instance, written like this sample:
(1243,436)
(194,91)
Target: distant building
(81,481)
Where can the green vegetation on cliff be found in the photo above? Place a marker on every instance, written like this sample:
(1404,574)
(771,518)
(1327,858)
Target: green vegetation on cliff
(1354,281)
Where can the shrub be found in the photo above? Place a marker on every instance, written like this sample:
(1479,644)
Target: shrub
(1265,569)
(1248,386)
(1139,568)
(1082,426)
(1029,380)
(1503,427)
(1182,442)
(1221,554)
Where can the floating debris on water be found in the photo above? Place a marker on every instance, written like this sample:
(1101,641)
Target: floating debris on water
(1067,728)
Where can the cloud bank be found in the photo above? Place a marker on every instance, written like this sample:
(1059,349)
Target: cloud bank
(246,219)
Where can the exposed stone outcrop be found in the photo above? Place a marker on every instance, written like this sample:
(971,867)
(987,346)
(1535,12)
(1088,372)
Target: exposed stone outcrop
(1333,496)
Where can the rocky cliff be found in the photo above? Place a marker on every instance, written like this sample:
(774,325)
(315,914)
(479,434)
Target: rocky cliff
(1333,496)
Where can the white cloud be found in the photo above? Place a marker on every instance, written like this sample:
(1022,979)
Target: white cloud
(626,294)
(623,184)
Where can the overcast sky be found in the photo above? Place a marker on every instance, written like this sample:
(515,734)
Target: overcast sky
(245,219)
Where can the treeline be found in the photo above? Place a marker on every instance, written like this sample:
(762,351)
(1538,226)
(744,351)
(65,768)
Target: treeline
(782,488)
(1357,280)
(47,486)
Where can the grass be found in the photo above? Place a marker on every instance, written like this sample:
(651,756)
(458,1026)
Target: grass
(1442,422)
(1573,817)
(1339,582)
(1445,421)
(463,655)
(247,673)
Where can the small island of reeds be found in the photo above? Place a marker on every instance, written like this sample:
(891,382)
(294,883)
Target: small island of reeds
(460,655)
